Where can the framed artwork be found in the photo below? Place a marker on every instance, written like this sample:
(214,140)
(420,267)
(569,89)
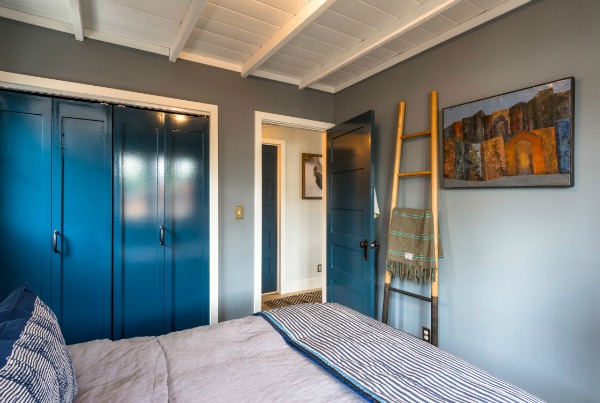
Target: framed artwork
(312,176)
(522,138)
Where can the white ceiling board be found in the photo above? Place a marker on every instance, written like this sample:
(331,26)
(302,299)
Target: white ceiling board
(257,10)
(342,75)
(317,46)
(140,21)
(290,6)
(58,10)
(367,62)
(397,8)
(229,17)
(283,69)
(116,26)
(382,53)
(416,36)
(156,8)
(396,46)
(330,36)
(294,62)
(334,82)
(360,11)
(305,54)
(462,12)
(207,49)
(179,4)
(222,41)
(487,4)
(438,24)
(353,69)
(216,27)
(345,25)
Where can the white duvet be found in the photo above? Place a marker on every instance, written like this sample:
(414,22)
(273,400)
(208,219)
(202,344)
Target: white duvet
(242,360)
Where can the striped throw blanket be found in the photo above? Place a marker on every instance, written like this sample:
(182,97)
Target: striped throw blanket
(411,247)
(383,364)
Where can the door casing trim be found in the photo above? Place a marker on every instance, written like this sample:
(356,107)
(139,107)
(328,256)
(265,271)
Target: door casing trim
(47,86)
(288,121)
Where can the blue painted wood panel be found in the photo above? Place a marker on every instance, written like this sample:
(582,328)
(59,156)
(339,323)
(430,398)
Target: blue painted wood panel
(25,135)
(139,274)
(186,222)
(269,219)
(350,278)
(82,215)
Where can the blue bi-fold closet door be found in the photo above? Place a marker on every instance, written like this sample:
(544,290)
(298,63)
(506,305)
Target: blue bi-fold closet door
(57,208)
(161,278)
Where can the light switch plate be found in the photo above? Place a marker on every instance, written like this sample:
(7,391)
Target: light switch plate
(239,212)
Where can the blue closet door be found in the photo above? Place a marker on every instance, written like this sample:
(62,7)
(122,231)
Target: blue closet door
(138,264)
(82,219)
(186,222)
(269,219)
(25,133)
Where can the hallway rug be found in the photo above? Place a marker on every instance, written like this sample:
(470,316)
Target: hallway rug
(309,297)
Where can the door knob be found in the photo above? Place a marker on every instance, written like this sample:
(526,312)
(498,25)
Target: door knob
(374,244)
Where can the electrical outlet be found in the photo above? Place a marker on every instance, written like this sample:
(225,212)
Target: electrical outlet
(426,334)
(319,268)
(239,212)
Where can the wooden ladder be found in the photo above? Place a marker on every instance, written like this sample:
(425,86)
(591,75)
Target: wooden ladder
(433,174)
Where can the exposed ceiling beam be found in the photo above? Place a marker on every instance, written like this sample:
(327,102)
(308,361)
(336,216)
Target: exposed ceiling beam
(187,25)
(77,18)
(307,15)
(409,21)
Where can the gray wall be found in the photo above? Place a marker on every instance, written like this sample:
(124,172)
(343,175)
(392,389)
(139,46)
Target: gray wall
(36,51)
(519,279)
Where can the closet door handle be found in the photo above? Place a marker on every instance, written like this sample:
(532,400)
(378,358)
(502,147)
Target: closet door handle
(162,235)
(55,241)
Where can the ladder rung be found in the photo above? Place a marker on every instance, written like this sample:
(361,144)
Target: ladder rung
(411,136)
(410,294)
(421,173)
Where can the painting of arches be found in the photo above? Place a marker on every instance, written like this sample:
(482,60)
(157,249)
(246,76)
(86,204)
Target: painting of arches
(522,138)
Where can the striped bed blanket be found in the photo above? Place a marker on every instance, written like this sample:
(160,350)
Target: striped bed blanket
(383,364)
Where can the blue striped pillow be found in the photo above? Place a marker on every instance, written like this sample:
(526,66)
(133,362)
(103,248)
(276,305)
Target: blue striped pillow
(34,363)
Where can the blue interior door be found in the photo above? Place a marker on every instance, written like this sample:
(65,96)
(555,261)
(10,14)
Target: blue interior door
(25,133)
(269,218)
(186,222)
(350,227)
(139,274)
(82,219)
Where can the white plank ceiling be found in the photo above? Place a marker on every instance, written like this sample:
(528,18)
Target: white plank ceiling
(323,44)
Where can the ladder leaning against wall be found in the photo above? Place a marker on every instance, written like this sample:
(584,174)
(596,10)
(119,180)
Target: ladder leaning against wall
(433,174)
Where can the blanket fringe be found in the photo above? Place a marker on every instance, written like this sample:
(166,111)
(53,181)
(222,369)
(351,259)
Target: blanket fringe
(410,272)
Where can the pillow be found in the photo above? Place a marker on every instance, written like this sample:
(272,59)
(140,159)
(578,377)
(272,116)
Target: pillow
(34,363)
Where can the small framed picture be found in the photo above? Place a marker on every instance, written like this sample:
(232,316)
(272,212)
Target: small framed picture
(312,176)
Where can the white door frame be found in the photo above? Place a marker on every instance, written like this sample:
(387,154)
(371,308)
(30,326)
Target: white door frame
(261,118)
(39,85)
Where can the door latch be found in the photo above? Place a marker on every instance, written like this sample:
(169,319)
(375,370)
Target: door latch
(365,246)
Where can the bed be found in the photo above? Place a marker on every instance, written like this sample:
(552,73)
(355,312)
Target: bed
(309,352)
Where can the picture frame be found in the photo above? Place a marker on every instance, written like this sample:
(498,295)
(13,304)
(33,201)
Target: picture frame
(312,176)
(522,138)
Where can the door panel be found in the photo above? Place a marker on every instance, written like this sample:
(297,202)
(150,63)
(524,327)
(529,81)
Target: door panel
(186,218)
(82,213)
(139,277)
(269,224)
(25,133)
(350,278)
